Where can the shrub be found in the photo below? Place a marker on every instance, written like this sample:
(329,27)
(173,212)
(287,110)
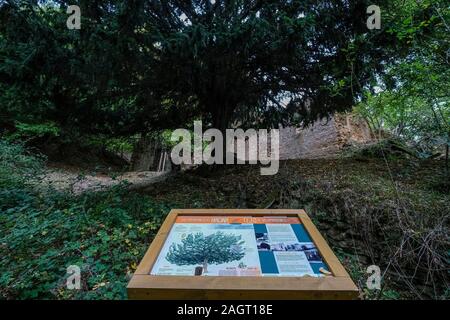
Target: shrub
(17,166)
(401,227)
(44,232)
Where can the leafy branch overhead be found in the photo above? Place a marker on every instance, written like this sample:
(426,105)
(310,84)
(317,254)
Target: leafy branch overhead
(151,65)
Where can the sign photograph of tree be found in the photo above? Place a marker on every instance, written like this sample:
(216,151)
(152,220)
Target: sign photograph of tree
(198,249)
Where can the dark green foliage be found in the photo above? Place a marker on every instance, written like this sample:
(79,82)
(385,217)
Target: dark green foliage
(43,233)
(87,81)
(414,101)
(152,65)
(106,234)
(159,64)
(385,149)
(244,61)
(17,166)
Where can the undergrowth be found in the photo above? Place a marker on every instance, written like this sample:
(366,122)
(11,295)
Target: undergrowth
(42,233)
(388,212)
(377,208)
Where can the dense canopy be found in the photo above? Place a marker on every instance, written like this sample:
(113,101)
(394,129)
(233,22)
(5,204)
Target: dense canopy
(145,65)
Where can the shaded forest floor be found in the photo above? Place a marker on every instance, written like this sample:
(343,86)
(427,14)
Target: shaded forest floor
(72,179)
(242,186)
(392,212)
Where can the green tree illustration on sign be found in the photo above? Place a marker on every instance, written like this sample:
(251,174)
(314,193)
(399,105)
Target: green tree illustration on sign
(197,248)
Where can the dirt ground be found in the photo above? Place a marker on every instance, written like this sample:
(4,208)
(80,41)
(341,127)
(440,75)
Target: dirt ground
(69,178)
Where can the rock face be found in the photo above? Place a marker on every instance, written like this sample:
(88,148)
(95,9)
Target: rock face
(323,139)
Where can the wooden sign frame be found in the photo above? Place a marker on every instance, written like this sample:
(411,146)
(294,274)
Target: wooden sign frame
(339,285)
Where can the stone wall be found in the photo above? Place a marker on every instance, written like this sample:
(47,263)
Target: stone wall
(319,140)
(323,139)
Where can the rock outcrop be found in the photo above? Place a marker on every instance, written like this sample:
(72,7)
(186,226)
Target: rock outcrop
(323,139)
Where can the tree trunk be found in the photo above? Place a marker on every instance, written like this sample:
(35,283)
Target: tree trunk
(221,120)
(205,266)
(143,156)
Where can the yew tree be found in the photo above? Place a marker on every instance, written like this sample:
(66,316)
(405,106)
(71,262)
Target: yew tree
(264,63)
(147,65)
